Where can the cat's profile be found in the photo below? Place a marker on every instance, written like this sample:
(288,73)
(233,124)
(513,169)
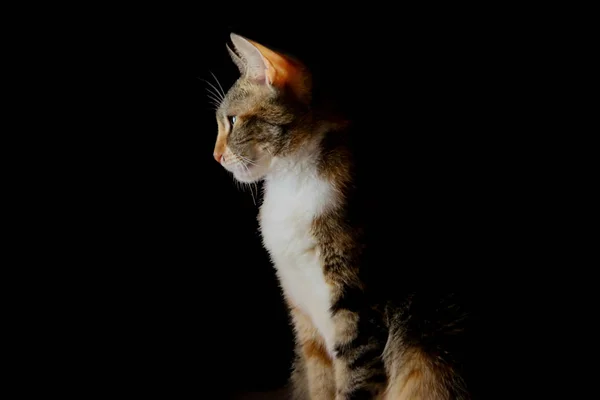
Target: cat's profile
(359,333)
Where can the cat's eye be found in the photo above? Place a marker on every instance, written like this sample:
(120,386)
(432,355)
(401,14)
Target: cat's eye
(232,120)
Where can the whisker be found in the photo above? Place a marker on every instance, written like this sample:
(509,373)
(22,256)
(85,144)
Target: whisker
(218,83)
(214,97)
(214,104)
(215,100)
(249,161)
(251,192)
(216,90)
(213,92)
(242,160)
(213,86)
(253,186)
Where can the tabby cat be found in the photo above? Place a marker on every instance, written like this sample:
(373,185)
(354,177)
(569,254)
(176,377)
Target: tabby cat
(360,334)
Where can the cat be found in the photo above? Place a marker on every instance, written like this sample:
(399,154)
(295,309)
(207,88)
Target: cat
(360,333)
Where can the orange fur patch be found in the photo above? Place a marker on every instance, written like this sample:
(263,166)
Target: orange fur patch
(315,350)
(221,142)
(283,71)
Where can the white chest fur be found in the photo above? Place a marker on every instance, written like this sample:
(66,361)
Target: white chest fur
(291,202)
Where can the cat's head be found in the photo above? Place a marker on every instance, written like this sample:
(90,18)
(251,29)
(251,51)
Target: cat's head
(264,114)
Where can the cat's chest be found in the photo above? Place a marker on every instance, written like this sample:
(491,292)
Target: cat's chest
(289,208)
(286,218)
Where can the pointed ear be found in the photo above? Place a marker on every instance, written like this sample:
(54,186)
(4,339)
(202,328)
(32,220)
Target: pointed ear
(255,66)
(236,60)
(266,65)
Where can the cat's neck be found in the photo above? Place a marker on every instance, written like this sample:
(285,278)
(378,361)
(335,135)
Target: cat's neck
(295,193)
(315,158)
(307,174)
(303,163)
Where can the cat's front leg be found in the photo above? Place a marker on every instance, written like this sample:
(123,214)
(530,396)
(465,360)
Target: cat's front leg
(313,377)
(360,340)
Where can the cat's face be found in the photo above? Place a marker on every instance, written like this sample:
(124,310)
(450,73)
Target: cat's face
(251,124)
(257,116)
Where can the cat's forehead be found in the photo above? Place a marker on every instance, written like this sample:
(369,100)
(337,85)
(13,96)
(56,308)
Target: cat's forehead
(239,92)
(243,95)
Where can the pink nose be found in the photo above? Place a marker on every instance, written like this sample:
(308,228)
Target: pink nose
(218,156)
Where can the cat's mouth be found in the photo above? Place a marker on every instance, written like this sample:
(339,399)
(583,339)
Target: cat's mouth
(247,168)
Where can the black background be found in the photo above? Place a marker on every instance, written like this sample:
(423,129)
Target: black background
(185,299)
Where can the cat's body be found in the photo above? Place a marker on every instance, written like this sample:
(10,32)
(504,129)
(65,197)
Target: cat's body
(360,333)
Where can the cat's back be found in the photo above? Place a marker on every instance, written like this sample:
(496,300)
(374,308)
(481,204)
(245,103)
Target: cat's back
(423,258)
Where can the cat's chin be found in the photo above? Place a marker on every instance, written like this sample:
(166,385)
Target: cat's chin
(247,179)
(249,175)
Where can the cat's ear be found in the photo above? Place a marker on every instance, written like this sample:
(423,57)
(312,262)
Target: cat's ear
(265,65)
(236,60)
(254,64)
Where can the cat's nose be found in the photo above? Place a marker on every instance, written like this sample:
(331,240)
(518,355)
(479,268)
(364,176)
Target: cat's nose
(218,156)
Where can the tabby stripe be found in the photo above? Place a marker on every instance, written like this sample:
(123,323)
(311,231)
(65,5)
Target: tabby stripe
(369,356)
